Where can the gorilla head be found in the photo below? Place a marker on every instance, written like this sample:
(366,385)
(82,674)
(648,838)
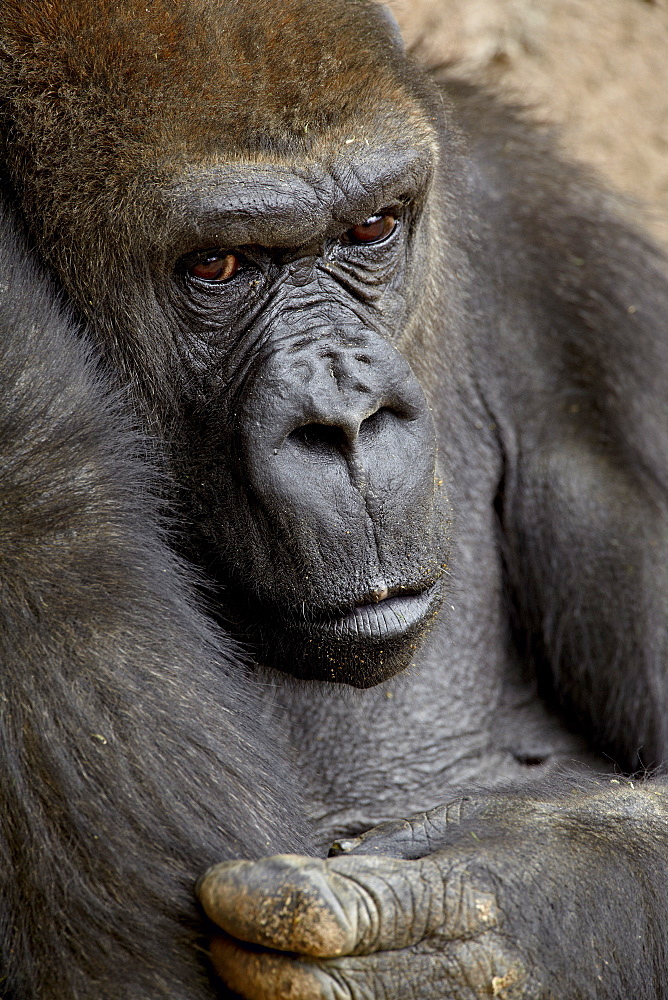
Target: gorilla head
(237,231)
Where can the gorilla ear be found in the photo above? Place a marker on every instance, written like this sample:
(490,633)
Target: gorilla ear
(391,22)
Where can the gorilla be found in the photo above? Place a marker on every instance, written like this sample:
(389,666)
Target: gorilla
(334,510)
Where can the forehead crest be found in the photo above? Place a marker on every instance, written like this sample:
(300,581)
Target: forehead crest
(271,68)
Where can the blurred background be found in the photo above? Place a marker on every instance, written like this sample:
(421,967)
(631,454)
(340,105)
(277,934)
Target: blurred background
(596,68)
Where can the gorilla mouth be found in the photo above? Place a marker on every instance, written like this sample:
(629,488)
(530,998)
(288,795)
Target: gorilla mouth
(362,646)
(366,645)
(388,619)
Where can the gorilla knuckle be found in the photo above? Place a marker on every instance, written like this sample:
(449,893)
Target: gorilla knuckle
(470,903)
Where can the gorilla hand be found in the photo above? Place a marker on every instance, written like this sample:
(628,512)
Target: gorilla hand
(502,896)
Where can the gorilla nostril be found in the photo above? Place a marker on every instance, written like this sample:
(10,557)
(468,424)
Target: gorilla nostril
(319,437)
(375,422)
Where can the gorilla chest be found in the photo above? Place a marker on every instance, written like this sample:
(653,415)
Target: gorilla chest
(406,746)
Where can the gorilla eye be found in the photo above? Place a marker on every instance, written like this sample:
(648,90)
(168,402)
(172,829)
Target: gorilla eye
(376,229)
(217,268)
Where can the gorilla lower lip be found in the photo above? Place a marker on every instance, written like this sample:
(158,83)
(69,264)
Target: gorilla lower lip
(390,618)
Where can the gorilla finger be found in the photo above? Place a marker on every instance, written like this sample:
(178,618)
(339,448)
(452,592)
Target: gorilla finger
(468,970)
(412,838)
(394,839)
(448,895)
(264,975)
(349,905)
(288,903)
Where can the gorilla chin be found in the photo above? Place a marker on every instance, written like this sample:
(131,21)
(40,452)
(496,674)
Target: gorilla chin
(367,645)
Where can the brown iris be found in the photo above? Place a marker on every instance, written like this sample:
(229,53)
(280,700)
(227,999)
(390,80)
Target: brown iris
(216,268)
(375,229)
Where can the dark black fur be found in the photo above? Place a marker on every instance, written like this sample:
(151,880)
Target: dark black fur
(131,750)
(574,314)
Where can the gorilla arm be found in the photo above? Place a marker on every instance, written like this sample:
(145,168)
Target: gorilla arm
(128,762)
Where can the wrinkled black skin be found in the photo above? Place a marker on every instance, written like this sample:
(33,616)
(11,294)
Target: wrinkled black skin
(534,320)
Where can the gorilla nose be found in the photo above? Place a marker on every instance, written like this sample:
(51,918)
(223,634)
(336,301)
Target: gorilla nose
(354,413)
(334,423)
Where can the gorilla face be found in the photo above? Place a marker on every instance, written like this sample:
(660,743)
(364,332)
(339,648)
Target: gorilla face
(253,278)
(312,452)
